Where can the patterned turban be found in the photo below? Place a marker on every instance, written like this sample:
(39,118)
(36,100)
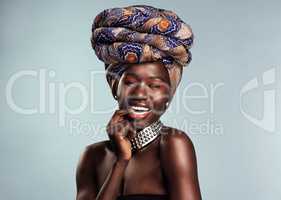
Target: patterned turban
(140,33)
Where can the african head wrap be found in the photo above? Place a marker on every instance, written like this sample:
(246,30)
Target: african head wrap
(140,33)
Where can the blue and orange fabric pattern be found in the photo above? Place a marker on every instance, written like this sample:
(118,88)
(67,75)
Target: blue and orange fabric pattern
(141,33)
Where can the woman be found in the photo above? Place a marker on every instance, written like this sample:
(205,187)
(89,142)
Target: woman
(144,50)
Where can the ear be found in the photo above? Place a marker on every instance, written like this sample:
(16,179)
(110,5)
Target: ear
(114,89)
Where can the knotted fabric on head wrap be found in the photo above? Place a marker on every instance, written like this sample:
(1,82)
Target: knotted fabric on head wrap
(140,33)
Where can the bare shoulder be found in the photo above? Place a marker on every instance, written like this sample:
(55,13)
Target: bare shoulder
(98,147)
(177,152)
(86,174)
(175,139)
(94,152)
(179,165)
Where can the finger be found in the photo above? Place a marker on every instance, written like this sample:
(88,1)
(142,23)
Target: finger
(118,115)
(129,129)
(114,128)
(117,127)
(123,112)
(115,122)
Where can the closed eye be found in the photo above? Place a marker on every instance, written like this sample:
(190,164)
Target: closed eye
(128,82)
(156,86)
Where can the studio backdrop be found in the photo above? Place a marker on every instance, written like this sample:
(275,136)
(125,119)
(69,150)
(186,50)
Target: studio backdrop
(55,100)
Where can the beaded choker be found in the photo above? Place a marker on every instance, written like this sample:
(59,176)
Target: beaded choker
(146,136)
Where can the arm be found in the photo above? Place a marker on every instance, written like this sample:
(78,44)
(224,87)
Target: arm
(85,177)
(86,182)
(180,168)
(111,187)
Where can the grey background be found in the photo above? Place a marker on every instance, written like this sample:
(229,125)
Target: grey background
(235,41)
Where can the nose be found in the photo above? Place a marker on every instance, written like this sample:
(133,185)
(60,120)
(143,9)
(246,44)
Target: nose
(140,91)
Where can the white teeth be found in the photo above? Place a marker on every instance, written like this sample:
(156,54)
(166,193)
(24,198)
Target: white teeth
(138,108)
(138,112)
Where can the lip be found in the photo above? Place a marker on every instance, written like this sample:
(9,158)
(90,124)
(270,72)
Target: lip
(138,115)
(138,112)
(139,104)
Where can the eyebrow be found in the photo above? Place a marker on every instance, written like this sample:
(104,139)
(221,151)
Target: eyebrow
(151,77)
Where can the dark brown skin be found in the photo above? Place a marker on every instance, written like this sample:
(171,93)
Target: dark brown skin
(166,166)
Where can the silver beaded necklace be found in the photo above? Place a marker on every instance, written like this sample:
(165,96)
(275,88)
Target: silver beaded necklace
(146,136)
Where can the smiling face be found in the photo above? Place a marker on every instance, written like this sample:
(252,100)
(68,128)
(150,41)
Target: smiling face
(144,90)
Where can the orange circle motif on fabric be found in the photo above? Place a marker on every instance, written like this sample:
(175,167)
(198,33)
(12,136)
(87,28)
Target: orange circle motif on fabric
(164,24)
(131,57)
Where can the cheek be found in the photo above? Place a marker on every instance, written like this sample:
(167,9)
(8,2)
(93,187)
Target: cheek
(160,94)
(160,98)
(124,94)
